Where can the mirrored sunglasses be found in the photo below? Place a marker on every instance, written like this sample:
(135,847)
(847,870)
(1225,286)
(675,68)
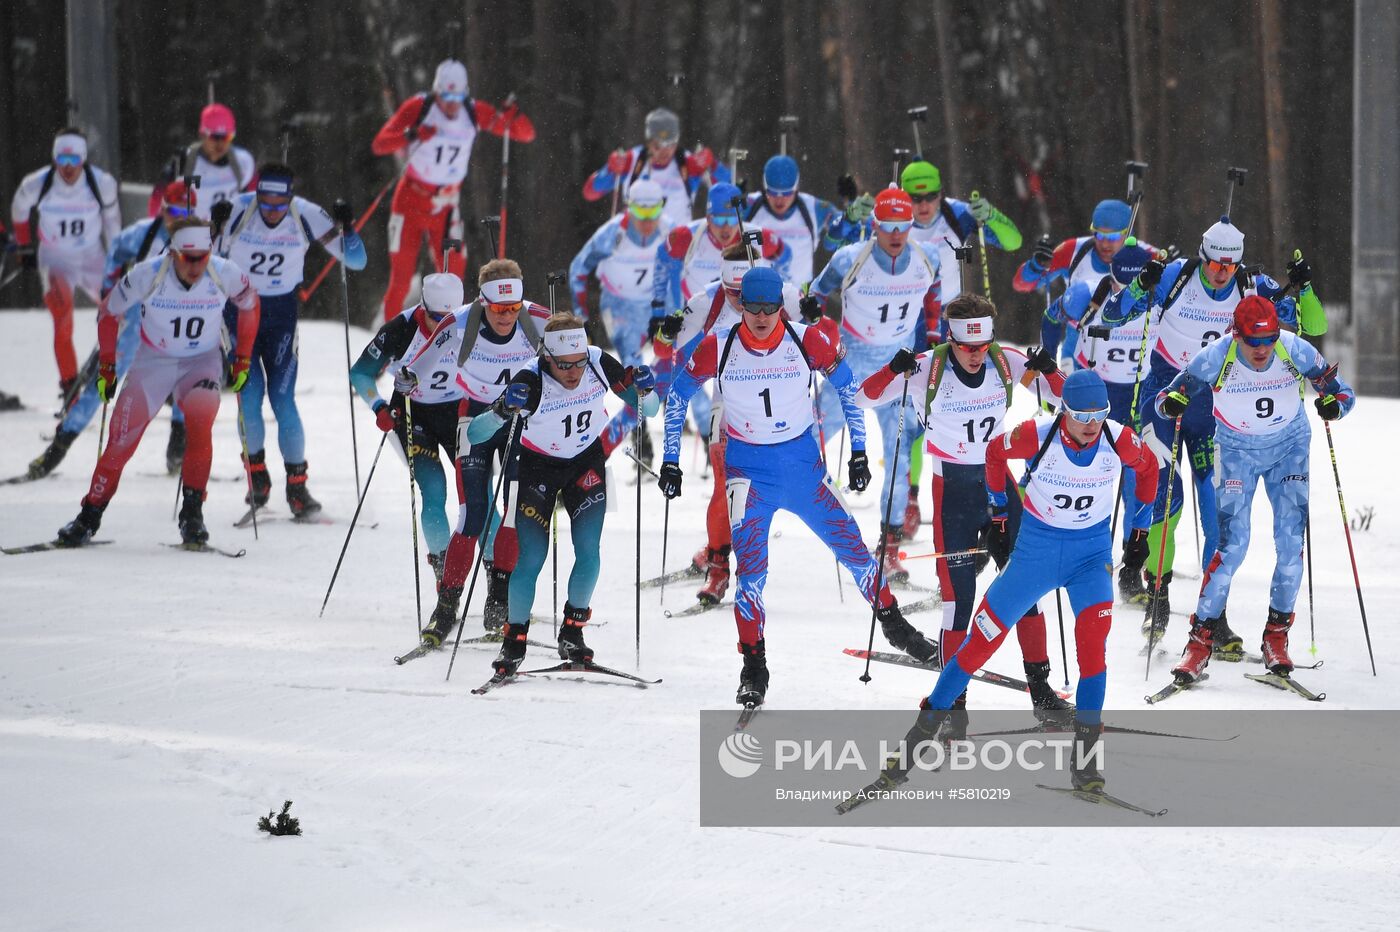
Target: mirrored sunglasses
(1218,267)
(1268,339)
(68,160)
(894,226)
(273,208)
(1109,236)
(723,220)
(504,308)
(774,192)
(762,307)
(193,255)
(177,211)
(1087,417)
(452,98)
(646,211)
(566,366)
(971,347)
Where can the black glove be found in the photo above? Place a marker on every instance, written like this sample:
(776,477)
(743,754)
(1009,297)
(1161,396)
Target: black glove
(1150,275)
(1041,360)
(1328,407)
(904,362)
(343,215)
(1299,272)
(1135,549)
(670,480)
(1044,252)
(28,257)
(1174,405)
(219,214)
(670,327)
(999,539)
(846,188)
(858,470)
(811,309)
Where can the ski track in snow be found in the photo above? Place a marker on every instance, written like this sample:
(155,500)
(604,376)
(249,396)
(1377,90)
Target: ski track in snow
(154,704)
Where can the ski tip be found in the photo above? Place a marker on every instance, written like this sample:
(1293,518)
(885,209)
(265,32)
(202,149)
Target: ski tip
(855,652)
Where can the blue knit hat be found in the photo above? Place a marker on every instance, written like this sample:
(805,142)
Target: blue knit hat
(1084,391)
(780,174)
(762,286)
(721,197)
(1128,261)
(1111,215)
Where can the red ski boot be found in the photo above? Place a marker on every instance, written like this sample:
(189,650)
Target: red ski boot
(896,573)
(716,577)
(1197,654)
(1275,646)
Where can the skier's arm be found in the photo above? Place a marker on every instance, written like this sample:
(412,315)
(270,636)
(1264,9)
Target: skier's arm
(621,381)
(885,385)
(602,181)
(598,248)
(778,253)
(122,253)
(1324,377)
(829,357)
(484,425)
(111,208)
(1001,232)
(698,370)
(390,343)
(245,298)
(666,270)
(1046,384)
(324,230)
(1198,376)
(933,298)
(398,131)
(1143,462)
(24,201)
(114,305)
(1032,275)
(1133,301)
(1022,442)
(831,277)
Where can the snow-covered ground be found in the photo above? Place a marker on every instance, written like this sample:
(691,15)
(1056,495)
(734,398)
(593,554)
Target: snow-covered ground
(153,704)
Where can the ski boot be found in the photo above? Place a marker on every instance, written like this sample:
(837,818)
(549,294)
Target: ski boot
(81,529)
(444,617)
(571,646)
(298,499)
(895,572)
(912,517)
(982,559)
(65,387)
(1084,774)
(10,402)
(904,636)
(435,562)
(753,679)
(1196,656)
(261,482)
(700,563)
(1275,646)
(1227,646)
(512,650)
(175,448)
(1046,703)
(45,462)
(716,577)
(1130,587)
(192,529)
(954,727)
(1159,607)
(497,599)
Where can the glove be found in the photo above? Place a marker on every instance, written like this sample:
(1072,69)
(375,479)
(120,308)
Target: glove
(860,208)
(1041,360)
(219,214)
(669,327)
(618,162)
(107,380)
(28,257)
(670,480)
(903,363)
(846,188)
(384,416)
(811,308)
(981,208)
(999,537)
(1299,272)
(858,470)
(1135,549)
(405,381)
(1328,407)
(237,375)
(515,397)
(1044,253)
(1174,405)
(343,215)
(643,380)
(423,133)
(699,162)
(1150,275)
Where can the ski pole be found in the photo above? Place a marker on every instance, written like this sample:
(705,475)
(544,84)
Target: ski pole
(1196,514)
(492,224)
(102,430)
(511,433)
(943,554)
(917,115)
(986,269)
(356,517)
(1135,172)
(1059,601)
(1162,546)
(1233,176)
(306,293)
(787,123)
(345,306)
(1351,552)
(880,560)
(554,546)
(898,156)
(821,451)
(637,442)
(1307,545)
(509,110)
(247,463)
(412,507)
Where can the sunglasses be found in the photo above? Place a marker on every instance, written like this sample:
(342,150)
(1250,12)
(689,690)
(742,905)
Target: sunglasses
(646,212)
(68,160)
(971,347)
(1087,417)
(926,198)
(273,208)
(765,308)
(452,98)
(1109,236)
(176,211)
(504,308)
(773,192)
(1219,267)
(723,220)
(566,366)
(219,137)
(199,256)
(893,226)
(1268,339)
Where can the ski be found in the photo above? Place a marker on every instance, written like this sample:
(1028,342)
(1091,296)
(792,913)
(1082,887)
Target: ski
(746,716)
(700,608)
(1174,687)
(903,660)
(1235,656)
(1100,798)
(497,679)
(907,586)
(589,667)
(258,511)
(26,477)
(496,638)
(50,545)
(1055,728)
(690,571)
(205,548)
(1287,683)
(267,517)
(882,785)
(922,605)
(422,650)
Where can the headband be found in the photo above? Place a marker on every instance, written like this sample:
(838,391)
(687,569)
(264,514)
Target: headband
(566,342)
(70,144)
(191,239)
(503,291)
(971,330)
(275,185)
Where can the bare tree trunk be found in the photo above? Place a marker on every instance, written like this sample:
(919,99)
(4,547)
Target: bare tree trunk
(858,91)
(1270,45)
(952,93)
(1137,116)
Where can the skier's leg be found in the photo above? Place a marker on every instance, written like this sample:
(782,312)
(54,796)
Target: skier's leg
(58,297)
(197,393)
(1286,482)
(585,499)
(1236,476)
(144,391)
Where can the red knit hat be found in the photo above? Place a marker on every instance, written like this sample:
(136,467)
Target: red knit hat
(893,204)
(1255,316)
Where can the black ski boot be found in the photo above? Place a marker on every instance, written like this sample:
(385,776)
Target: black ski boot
(444,617)
(493,614)
(1046,703)
(81,529)
(1228,646)
(262,483)
(435,560)
(45,462)
(10,402)
(1084,772)
(298,499)
(175,448)
(904,636)
(512,650)
(192,529)
(1159,607)
(753,679)
(571,646)
(1130,587)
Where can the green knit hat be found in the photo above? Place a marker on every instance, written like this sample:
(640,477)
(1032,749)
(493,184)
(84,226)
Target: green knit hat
(921,178)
